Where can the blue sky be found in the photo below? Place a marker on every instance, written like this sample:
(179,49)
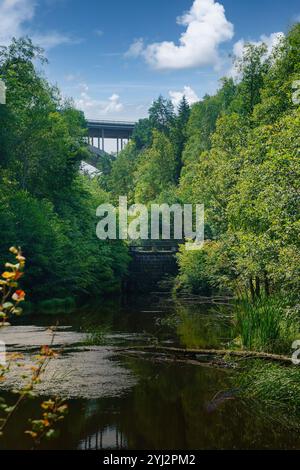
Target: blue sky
(114,56)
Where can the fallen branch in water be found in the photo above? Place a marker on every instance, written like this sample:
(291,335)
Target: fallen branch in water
(185,360)
(210,352)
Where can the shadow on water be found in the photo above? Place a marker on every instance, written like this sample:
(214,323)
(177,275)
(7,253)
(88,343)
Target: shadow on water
(153,405)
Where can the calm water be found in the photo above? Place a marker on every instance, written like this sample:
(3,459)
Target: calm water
(117,401)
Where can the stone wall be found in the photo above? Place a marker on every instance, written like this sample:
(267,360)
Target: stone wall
(148,268)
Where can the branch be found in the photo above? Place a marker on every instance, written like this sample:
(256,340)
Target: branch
(210,352)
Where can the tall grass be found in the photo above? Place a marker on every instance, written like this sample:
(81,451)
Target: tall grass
(269,324)
(274,385)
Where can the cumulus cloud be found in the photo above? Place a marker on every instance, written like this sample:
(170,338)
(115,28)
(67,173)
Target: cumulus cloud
(188,92)
(15,19)
(206,28)
(95,108)
(113,104)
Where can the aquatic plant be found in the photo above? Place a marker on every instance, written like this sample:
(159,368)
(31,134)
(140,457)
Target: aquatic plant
(268,324)
(275,385)
(96,335)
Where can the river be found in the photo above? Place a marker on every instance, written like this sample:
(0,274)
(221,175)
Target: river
(117,400)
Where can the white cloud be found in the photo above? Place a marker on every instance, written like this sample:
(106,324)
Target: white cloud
(14,14)
(53,39)
(135,49)
(15,18)
(188,92)
(206,28)
(113,104)
(95,108)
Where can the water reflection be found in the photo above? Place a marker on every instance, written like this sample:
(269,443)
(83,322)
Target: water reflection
(108,438)
(199,326)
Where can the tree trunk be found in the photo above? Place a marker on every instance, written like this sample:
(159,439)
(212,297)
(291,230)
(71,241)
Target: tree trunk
(251,286)
(257,286)
(267,284)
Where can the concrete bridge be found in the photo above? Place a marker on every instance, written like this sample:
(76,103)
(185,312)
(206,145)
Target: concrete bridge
(98,131)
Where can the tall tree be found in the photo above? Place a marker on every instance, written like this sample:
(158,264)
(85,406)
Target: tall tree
(45,135)
(156,169)
(178,133)
(46,206)
(278,84)
(253,67)
(162,115)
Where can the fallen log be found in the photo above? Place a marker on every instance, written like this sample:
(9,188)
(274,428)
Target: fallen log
(209,352)
(184,360)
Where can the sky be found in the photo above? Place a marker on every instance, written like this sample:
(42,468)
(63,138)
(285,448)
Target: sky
(114,57)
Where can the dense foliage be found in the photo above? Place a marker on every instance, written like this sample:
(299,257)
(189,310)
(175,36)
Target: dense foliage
(46,206)
(237,152)
(248,176)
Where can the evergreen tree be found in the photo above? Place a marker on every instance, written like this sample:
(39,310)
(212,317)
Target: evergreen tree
(179,134)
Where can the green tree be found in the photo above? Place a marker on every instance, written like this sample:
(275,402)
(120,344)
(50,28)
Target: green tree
(178,133)
(162,115)
(156,169)
(43,135)
(121,181)
(142,134)
(46,206)
(278,84)
(253,67)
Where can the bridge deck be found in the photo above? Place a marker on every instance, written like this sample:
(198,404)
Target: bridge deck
(110,129)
